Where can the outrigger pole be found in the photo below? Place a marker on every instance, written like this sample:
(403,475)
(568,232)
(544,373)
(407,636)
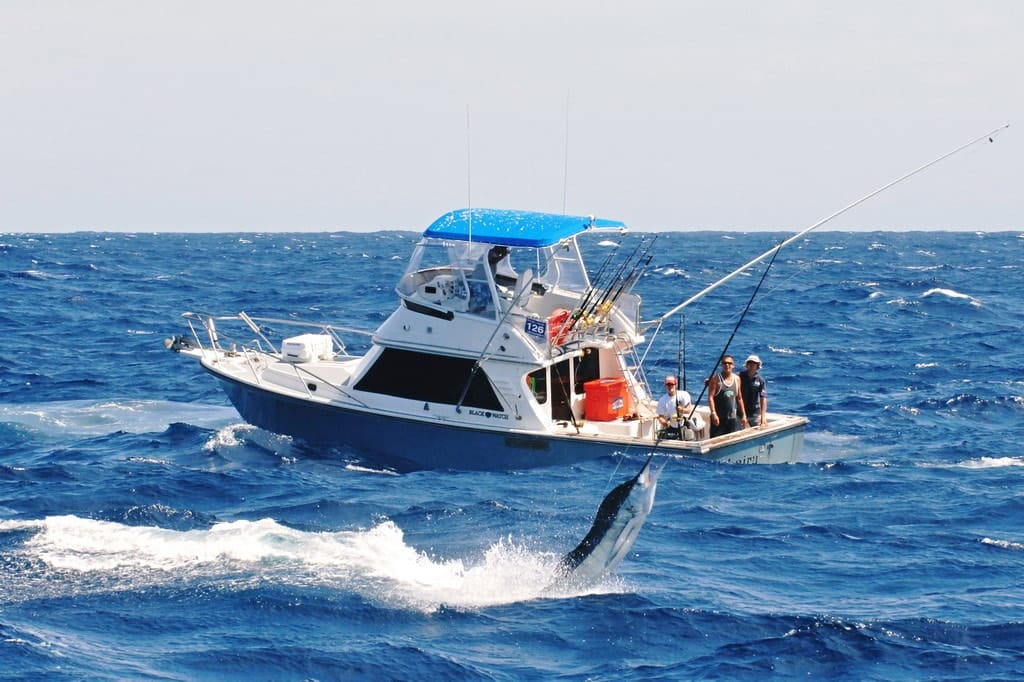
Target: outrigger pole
(658,322)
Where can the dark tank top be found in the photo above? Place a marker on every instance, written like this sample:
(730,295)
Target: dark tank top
(725,399)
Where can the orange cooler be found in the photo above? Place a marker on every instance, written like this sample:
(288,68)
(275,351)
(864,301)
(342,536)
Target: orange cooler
(606,399)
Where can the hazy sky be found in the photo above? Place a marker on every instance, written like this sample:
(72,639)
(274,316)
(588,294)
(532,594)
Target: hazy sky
(316,115)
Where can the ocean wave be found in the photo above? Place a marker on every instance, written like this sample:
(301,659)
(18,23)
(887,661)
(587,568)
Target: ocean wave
(100,417)
(1003,544)
(951,294)
(241,436)
(376,563)
(783,350)
(39,275)
(992,463)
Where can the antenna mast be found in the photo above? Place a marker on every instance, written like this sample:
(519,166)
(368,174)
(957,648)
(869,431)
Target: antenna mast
(469,176)
(565,163)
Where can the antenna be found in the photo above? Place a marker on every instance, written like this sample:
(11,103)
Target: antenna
(469,175)
(565,164)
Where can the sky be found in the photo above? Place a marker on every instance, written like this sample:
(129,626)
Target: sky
(200,116)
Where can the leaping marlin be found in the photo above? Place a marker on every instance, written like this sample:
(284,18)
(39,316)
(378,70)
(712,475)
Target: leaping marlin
(619,518)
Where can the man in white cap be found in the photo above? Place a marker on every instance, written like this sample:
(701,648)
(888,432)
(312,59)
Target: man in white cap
(671,408)
(755,392)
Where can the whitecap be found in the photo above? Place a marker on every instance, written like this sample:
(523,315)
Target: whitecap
(992,463)
(100,417)
(149,460)
(950,293)
(1004,544)
(369,470)
(782,350)
(376,563)
(226,437)
(39,274)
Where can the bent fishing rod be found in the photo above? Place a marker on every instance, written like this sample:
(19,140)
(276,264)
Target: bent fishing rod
(775,249)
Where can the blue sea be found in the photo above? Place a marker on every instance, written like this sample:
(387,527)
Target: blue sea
(147,533)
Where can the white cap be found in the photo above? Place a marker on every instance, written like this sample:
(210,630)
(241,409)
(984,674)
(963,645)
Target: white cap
(753,358)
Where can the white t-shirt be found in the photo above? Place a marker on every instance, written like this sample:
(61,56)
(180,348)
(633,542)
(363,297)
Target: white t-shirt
(666,408)
(667,404)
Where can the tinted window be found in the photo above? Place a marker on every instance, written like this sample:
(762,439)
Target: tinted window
(431,378)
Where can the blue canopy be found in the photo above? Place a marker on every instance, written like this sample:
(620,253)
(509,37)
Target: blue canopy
(513,228)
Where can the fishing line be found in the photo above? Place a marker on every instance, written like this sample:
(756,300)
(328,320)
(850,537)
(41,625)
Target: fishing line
(735,329)
(773,252)
(659,321)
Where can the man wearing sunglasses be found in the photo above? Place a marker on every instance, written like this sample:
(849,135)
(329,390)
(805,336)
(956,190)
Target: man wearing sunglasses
(727,413)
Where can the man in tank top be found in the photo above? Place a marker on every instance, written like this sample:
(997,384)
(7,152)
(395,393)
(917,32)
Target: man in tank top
(727,413)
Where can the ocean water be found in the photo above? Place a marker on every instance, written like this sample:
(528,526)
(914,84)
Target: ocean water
(146,533)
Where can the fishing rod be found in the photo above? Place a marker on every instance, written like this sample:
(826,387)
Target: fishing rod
(627,285)
(775,249)
(638,269)
(521,289)
(774,252)
(621,272)
(629,279)
(638,272)
(680,366)
(594,285)
(584,311)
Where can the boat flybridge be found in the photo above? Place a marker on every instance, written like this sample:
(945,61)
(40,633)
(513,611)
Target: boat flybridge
(501,354)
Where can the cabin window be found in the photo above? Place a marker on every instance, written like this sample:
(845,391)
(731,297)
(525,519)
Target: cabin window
(429,378)
(538,383)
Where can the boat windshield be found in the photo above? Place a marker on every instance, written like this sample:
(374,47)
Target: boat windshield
(455,274)
(562,266)
(466,276)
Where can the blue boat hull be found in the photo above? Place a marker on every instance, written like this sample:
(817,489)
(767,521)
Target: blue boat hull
(403,444)
(410,445)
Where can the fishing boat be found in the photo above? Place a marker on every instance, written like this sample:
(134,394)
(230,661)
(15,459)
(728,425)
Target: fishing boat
(502,353)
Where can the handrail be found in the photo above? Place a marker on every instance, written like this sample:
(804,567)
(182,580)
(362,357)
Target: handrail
(253,348)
